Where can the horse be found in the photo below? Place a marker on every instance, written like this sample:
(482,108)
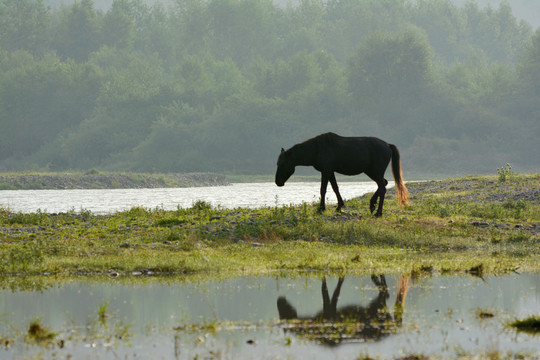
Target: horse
(330,153)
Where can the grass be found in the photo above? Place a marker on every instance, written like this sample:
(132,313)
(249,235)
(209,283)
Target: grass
(454,225)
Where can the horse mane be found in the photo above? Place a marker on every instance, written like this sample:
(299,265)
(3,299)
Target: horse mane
(303,153)
(310,143)
(326,138)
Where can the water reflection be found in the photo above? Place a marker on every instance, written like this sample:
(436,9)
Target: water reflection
(383,316)
(334,325)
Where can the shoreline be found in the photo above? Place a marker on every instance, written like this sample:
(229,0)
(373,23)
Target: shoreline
(94,179)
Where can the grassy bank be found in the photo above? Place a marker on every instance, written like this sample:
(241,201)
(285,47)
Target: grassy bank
(477,224)
(94,179)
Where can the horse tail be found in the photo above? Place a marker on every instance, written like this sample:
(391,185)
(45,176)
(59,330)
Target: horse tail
(401,190)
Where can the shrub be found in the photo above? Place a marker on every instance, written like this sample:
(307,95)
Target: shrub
(505,173)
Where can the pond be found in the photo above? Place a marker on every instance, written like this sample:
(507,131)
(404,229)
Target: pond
(263,317)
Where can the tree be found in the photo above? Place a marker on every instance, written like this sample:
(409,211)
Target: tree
(24,24)
(241,29)
(77,33)
(445,24)
(495,32)
(527,104)
(529,66)
(390,70)
(43,97)
(119,24)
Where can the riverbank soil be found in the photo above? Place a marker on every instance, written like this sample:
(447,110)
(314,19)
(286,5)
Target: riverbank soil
(474,224)
(94,179)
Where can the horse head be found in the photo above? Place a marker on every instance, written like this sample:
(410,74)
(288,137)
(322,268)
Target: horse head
(285,168)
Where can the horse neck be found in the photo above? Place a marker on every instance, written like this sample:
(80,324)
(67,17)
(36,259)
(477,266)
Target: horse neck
(303,153)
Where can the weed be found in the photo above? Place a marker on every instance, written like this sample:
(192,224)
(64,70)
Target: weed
(505,173)
(137,212)
(37,218)
(169,222)
(484,313)
(201,205)
(530,324)
(102,313)
(520,237)
(92,172)
(21,258)
(38,333)
(106,326)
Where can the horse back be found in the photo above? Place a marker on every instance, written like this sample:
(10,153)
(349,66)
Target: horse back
(353,155)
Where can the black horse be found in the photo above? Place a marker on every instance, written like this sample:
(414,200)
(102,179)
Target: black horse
(330,153)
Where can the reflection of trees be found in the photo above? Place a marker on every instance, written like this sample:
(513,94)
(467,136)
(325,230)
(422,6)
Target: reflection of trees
(334,325)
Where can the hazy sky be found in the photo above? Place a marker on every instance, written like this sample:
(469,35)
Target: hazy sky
(528,10)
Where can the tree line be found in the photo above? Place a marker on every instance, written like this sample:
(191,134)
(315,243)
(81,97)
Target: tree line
(222,85)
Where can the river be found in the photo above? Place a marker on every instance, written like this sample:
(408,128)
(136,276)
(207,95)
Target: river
(103,201)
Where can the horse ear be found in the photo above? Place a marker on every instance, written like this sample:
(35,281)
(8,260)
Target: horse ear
(282,150)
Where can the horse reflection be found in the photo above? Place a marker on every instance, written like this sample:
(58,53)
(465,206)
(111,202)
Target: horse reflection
(334,325)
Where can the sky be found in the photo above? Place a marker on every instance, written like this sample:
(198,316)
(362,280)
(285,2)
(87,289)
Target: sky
(528,10)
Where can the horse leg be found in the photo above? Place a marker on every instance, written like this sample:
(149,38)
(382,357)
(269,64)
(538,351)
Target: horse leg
(373,201)
(334,184)
(379,194)
(381,191)
(324,184)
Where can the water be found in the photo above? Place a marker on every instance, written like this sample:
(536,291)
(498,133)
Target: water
(102,201)
(239,318)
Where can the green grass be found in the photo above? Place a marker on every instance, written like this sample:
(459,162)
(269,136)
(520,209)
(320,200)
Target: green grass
(453,225)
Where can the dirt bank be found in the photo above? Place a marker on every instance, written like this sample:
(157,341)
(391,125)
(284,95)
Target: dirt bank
(526,188)
(96,180)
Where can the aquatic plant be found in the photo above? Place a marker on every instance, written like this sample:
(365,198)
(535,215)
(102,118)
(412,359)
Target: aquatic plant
(530,324)
(484,313)
(39,333)
(102,313)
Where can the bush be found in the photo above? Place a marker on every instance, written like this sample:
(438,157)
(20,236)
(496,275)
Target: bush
(505,173)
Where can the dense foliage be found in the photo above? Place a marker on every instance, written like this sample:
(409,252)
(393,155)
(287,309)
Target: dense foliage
(221,85)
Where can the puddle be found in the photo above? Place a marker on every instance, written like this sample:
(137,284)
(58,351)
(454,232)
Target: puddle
(383,316)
